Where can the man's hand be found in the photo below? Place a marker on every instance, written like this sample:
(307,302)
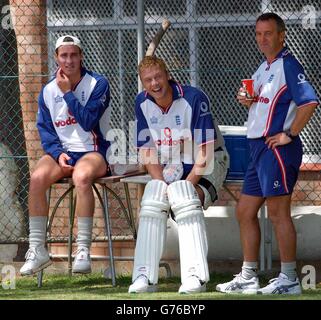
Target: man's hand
(243,100)
(63,161)
(63,82)
(149,158)
(279,139)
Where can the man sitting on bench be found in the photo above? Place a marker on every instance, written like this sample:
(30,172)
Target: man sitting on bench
(71,117)
(176,137)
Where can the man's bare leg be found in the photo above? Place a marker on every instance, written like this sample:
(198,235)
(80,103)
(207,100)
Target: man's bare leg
(246,213)
(279,210)
(47,172)
(87,169)
(250,233)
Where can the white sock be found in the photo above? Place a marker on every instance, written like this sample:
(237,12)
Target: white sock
(289,268)
(249,270)
(85,226)
(38,228)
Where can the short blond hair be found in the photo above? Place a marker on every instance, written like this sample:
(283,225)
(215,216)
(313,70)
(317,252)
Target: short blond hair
(150,61)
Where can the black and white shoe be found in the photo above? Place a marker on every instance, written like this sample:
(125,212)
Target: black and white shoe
(142,285)
(240,285)
(192,285)
(281,285)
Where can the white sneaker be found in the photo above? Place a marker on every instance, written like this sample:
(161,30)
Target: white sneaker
(36,260)
(82,261)
(281,285)
(240,285)
(141,285)
(192,285)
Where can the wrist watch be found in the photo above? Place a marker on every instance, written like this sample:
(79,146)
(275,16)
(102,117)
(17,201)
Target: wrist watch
(291,136)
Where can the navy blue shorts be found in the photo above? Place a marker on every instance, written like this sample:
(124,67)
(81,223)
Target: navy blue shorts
(272,172)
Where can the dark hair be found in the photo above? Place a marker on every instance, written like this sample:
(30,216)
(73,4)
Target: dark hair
(273,16)
(68,39)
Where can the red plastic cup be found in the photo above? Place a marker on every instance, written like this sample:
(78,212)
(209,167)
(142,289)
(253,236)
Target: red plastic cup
(248,86)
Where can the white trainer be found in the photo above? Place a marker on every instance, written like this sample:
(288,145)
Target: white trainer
(82,261)
(240,285)
(141,285)
(281,285)
(36,260)
(192,285)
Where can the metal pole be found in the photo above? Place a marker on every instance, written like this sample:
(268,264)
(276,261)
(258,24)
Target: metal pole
(108,232)
(192,35)
(140,36)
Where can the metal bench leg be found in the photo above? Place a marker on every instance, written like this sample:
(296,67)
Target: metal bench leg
(72,207)
(40,273)
(130,211)
(108,232)
(39,278)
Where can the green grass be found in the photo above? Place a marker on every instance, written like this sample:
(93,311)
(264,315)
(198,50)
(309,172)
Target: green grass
(96,287)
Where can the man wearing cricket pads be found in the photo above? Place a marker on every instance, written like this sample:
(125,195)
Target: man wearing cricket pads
(177,139)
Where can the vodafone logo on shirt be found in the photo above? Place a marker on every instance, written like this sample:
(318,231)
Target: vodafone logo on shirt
(168,141)
(167,132)
(68,122)
(262,99)
(62,123)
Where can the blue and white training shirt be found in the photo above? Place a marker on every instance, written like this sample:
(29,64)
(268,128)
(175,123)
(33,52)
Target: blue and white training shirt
(281,88)
(186,122)
(76,121)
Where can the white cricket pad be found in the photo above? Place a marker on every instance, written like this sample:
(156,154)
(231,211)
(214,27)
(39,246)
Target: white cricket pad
(151,231)
(189,216)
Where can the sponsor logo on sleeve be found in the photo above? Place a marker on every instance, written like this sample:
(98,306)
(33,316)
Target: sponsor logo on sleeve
(204,109)
(301,78)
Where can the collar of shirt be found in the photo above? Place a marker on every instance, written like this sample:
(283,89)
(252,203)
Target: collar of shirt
(281,54)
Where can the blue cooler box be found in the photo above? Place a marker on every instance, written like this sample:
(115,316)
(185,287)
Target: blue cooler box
(238,148)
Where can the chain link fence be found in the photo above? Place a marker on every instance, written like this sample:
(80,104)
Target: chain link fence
(211,44)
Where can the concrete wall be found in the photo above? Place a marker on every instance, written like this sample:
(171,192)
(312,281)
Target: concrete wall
(223,235)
